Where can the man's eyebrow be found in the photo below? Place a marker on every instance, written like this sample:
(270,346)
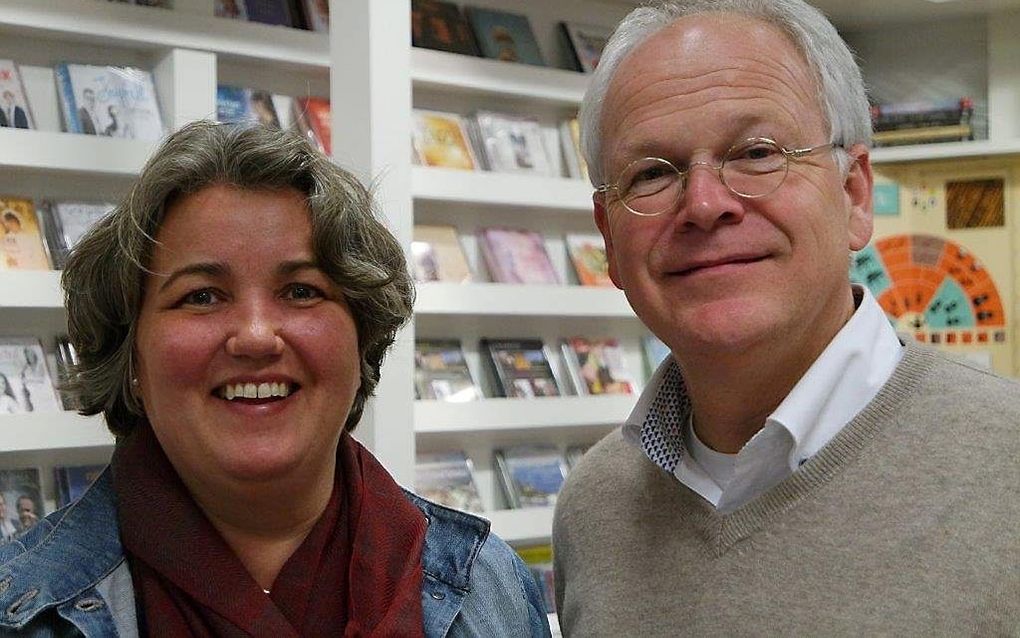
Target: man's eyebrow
(210,268)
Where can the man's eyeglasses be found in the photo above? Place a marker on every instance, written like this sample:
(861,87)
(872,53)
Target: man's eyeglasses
(753,168)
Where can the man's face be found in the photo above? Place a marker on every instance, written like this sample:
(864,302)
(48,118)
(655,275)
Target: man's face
(721,273)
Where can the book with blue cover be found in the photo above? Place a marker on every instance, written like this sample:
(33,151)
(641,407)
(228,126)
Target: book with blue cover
(236,105)
(502,35)
(270,12)
(73,480)
(531,475)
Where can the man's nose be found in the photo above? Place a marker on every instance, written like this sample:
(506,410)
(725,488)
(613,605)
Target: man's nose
(706,201)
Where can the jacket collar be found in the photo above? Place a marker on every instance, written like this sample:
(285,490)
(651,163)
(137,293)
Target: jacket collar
(66,554)
(452,542)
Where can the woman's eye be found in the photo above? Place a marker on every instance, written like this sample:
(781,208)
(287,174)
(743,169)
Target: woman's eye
(204,297)
(302,292)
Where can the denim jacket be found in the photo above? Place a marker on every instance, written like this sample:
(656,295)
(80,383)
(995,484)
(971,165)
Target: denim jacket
(68,576)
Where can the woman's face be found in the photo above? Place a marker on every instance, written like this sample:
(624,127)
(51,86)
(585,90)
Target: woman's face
(237,306)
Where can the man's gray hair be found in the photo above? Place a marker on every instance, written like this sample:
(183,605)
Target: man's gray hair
(105,274)
(841,92)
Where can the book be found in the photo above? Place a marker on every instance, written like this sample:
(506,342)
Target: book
(597,366)
(73,480)
(316,14)
(313,119)
(276,12)
(437,255)
(441,26)
(67,222)
(513,144)
(441,140)
(515,256)
(588,255)
(441,372)
(230,9)
(14,108)
(911,114)
(25,383)
(585,43)
(108,100)
(570,142)
(506,36)
(521,368)
(923,135)
(236,105)
(67,363)
(531,475)
(21,499)
(21,237)
(539,560)
(447,478)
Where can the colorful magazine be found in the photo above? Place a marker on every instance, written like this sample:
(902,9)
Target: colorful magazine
(441,26)
(14,109)
(441,372)
(521,368)
(597,366)
(505,36)
(441,140)
(437,255)
(531,475)
(513,144)
(447,478)
(516,256)
(21,505)
(25,383)
(588,254)
(109,100)
(72,481)
(21,237)
(235,105)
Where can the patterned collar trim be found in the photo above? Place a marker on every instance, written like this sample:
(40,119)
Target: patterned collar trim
(661,429)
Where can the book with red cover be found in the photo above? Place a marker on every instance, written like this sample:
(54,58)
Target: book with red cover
(313,117)
(441,26)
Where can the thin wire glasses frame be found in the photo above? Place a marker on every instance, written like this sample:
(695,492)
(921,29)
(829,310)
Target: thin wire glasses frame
(753,168)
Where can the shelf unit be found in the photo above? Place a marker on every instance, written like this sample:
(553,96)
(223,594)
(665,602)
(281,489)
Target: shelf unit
(190,50)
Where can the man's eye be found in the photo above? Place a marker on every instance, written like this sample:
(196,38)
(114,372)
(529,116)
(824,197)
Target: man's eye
(756,152)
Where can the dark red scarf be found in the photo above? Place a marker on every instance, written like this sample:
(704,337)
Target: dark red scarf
(358,573)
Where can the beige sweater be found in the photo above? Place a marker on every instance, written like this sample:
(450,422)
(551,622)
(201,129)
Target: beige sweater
(905,524)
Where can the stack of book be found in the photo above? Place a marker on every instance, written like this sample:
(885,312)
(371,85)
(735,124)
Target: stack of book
(922,122)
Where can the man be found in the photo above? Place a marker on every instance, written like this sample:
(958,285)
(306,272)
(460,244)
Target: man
(793,468)
(87,118)
(12,115)
(27,516)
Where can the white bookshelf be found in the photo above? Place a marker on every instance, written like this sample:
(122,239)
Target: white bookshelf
(51,152)
(500,189)
(510,300)
(31,289)
(493,415)
(531,525)
(945,151)
(46,431)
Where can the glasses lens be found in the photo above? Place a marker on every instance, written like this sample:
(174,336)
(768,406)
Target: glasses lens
(754,168)
(649,186)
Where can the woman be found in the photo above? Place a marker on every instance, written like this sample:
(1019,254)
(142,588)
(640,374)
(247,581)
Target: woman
(231,317)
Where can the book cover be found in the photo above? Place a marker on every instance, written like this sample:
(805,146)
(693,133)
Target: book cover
(21,237)
(21,504)
(437,255)
(597,366)
(14,108)
(230,9)
(25,383)
(441,26)
(73,480)
(67,223)
(313,118)
(506,36)
(539,560)
(521,368)
(531,475)
(316,15)
(516,256)
(441,140)
(236,105)
(585,43)
(110,101)
(513,144)
(269,12)
(447,478)
(441,372)
(570,141)
(588,255)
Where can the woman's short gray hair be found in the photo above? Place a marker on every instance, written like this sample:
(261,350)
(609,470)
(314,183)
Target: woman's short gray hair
(841,91)
(105,273)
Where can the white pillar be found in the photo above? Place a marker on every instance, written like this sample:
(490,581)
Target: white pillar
(186,85)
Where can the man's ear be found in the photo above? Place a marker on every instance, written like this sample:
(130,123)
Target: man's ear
(857,188)
(602,221)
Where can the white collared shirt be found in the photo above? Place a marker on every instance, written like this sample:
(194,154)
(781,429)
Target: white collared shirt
(838,385)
